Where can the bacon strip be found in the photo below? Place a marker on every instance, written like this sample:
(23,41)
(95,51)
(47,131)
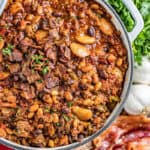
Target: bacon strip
(126,133)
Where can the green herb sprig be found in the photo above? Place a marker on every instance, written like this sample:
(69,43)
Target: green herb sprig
(45,70)
(123,13)
(37,58)
(141,46)
(7,50)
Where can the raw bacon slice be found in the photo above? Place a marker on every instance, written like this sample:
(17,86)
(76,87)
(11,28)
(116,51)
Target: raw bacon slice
(126,133)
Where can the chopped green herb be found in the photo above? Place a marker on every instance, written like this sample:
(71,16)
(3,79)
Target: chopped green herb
(40,81)
(46,61)
(33,71)
(8,50)
(47,109)
(37,58)
(45,70)
(98,15)
(6,26)
(1,38)
(58,124)
(66,118)
(53,110)
(69,104)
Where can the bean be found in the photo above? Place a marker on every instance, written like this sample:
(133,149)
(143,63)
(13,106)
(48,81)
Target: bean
(82,113)
(111,59)
(64,140)
(51,130)
(118,74)
(9,131)
(51,143)
(87,68)
(40,10)
(84,39)
(2,42)
(29,30)
(68,96)
(95,78)
(37,132)
(34,107)
(36,19)
(82,64)
(2,133)
(119,62)
(98,86)
(95,6)
(40,35)
(82,14)
(84,81)
(54,93)
(47,98)
(98,100)
(79,50)
(55,118)
(91,31)
(9,105)
(23,25)
(4,75)
(11,98)
(88,102)
(57,14)
(1,57)
(29,17)
(30,115)
(27,2)
(102,74)
(91,87)
(106,27)
(40,112)
(16,7)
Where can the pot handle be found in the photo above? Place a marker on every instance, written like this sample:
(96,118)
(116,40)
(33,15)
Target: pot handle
(139,23)
(2,5)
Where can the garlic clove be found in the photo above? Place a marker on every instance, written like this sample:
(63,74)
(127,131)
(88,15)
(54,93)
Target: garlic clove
(138,99)
(132,106)
(142,73)
(142,94)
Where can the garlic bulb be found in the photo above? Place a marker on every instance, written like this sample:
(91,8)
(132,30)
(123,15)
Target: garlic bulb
(138,99)
(142,73)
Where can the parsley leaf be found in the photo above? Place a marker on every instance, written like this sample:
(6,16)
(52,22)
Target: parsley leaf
(58,124)
(66,118)
(69,104)
(123,13)
(1,38)
(8,50)
(45,70)
(37,58)
(141,46)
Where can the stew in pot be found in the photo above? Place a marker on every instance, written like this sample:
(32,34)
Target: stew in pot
(62,69)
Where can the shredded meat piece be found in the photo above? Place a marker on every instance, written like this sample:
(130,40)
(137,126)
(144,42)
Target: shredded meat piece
(14,68)
(52,82)
(16,56)
(33,77)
